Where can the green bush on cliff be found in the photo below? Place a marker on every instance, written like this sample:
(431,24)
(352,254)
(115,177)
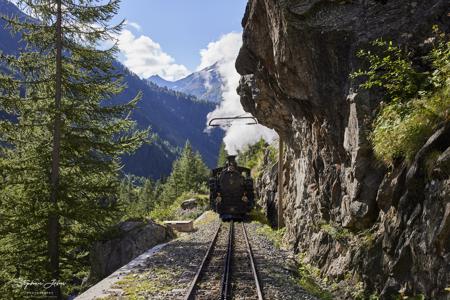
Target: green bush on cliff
(252,156)
(416,102)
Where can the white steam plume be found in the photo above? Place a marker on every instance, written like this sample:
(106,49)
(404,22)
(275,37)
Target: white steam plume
(238,135)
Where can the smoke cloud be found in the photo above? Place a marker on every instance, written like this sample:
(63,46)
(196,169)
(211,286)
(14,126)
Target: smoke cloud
(237,135)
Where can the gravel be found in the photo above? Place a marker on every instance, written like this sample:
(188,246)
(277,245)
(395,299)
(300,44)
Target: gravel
(276,268)
(168,273)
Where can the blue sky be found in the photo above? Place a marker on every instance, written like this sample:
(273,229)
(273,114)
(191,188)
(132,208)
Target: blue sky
(173,38)
(182,27)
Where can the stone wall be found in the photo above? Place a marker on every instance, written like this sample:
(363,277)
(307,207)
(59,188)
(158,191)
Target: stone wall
(392,225)
(130,239)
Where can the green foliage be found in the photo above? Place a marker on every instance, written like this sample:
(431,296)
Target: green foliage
(221,160)
(173,211)
(139,287)
(402,128)
(43,219)
(257,215)
(417,101)
(252,156)
(392,71)
(336,232)
(138,196)
(311,281)
(275,235)
(189,174)
(402,296)
(141,198)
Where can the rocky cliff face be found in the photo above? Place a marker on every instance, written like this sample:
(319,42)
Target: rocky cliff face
(353,218)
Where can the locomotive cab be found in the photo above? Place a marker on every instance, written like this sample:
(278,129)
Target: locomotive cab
(231,190)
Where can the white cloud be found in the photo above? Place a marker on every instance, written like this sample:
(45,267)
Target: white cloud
(134,25)
(145,57)
(225,51)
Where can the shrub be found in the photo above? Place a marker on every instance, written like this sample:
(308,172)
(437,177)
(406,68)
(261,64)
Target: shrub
(252,156)
(402,128)
(173,210)
(417,101)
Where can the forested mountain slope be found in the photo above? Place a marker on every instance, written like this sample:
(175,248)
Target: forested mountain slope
(173,116)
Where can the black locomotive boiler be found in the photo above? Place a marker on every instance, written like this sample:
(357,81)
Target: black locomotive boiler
(231,190)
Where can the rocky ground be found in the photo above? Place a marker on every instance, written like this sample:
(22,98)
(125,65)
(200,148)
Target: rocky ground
(167,273)
(277,268)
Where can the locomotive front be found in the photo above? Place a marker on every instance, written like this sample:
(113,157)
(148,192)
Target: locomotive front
(231,190)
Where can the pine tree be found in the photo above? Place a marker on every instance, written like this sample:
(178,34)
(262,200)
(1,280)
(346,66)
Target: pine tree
(147,195)
(60,146)
(189,173)
(221,160)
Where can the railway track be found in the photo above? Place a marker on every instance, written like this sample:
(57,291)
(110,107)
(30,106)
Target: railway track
(228,270)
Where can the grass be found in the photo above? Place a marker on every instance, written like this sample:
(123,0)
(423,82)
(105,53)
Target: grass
(274,235)
(206,219)
(311,280)
(174,211)
(367,238)
(322,287)
(337,233)
(257,215)
(418,102)
(140,286)
(309,276)
(401,129)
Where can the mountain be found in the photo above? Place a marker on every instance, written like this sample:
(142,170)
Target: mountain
(9,43)
(174,117)
(205,84)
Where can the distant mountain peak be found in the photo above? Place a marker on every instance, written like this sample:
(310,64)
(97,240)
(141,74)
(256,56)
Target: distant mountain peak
(205,84)
(158,80)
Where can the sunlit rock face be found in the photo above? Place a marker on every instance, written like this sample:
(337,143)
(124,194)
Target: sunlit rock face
(127,240)
(295,64)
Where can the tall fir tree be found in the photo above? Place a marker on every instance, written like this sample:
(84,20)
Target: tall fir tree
(61,142)
(147,195)
(189,173)
(222,158)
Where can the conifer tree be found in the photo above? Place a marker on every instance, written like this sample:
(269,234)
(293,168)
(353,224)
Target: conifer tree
(147,195)
(221,160)
(60,145)
(189,173)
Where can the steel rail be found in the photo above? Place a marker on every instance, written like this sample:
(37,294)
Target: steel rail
(192,287)
(252,263)
(225,291)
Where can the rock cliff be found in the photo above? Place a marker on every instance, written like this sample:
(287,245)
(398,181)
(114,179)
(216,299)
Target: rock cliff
(352,217)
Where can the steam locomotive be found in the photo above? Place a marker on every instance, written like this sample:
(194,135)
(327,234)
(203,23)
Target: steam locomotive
(231,190)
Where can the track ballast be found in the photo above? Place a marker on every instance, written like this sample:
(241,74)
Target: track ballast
(228,270)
